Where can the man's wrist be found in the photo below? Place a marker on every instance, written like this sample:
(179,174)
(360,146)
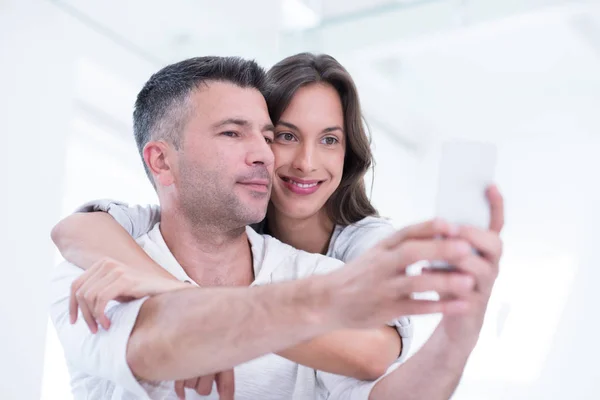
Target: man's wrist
(315,299)
(453,354)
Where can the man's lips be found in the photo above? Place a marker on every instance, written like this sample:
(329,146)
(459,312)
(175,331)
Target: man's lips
(260,185)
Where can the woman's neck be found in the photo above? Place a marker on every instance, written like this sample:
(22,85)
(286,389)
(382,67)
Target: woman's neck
(311,234)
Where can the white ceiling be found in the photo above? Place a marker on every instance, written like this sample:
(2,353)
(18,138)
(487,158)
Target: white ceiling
(425,70)
(488,80)
(167,31)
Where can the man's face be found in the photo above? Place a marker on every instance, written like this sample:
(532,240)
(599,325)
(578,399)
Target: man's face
(225,164)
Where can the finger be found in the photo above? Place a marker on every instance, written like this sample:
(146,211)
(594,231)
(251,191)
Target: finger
(226,385)
(445,284)
(77,285)
(487,242)
(98,298)
(191,383)
(73,302)
(85,311)
(95,270)
(180,390)
(412,251)
(90,289)
(481,270)
(425,230)
(496,208)
(84,298)
(107,290)
(205,385)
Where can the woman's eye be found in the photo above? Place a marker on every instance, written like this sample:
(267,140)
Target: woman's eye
(286,136)
(329,140)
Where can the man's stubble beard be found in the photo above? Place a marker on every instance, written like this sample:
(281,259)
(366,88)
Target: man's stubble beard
(208,200)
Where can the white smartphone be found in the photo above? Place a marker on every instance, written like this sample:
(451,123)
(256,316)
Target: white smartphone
(466,169)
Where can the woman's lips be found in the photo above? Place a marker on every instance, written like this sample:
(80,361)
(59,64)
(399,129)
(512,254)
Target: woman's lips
(301,186)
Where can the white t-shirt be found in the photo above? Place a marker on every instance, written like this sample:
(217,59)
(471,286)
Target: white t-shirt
(97,363)
(347,242)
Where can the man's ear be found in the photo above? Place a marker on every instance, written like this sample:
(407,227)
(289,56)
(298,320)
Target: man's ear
(158,157)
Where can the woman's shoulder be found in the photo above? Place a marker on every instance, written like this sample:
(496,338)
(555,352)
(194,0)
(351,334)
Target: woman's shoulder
(371,223)
(350,241)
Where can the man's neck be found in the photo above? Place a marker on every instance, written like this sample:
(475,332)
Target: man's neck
(209,255)
(311,234)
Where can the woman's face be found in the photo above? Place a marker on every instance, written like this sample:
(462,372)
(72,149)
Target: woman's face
(309,149)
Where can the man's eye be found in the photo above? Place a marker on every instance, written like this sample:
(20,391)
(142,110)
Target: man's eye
(268,140)
(230,134)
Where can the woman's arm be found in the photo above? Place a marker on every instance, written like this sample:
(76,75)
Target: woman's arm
(84,239)
(361,354)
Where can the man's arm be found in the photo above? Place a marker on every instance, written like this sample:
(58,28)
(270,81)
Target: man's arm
(432,373)
(195,332)
(435,370)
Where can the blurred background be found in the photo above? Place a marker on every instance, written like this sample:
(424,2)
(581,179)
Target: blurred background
(522,74)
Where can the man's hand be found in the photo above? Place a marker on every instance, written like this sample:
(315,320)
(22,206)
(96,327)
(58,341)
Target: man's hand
(435,370)
(203,385)
(463,330)
(109,280)
(374,288)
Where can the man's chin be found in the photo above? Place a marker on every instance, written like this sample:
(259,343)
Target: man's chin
(255,213)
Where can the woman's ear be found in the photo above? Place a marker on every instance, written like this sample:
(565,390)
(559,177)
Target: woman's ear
(158,158)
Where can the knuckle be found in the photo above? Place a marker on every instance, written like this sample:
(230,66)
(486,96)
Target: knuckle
(437,226)
(415,283)
(446,249)
(89,297)
(75,287)
(409,251)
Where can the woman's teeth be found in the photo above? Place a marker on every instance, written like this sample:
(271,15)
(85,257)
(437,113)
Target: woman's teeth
(303,185)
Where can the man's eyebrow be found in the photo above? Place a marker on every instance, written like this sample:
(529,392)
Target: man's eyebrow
(231,121)
(268,127)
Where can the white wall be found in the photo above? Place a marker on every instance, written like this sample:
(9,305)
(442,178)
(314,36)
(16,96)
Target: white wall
(532,87)
(42,51)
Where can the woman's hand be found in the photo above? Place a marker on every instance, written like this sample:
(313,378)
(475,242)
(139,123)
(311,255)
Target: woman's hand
(108,280)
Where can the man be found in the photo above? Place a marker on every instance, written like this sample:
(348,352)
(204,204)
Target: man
(203,126)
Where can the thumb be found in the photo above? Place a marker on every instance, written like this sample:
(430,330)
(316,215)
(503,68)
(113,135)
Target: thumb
(496,208)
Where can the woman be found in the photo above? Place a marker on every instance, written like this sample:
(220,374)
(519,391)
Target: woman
(319,202)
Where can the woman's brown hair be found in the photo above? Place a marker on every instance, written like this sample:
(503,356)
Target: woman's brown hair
(349,203)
